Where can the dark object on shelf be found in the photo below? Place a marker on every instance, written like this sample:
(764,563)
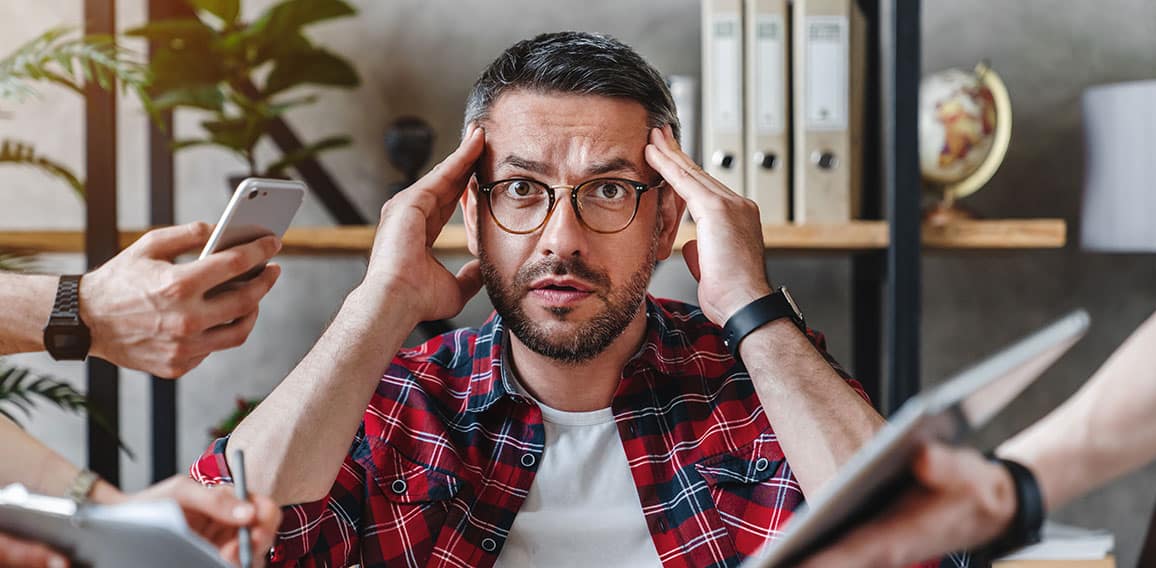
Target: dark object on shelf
(408,145)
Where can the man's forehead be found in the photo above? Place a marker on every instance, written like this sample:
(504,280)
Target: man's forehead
(532,131)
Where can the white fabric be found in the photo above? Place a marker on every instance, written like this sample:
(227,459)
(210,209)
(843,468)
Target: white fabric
(583,507)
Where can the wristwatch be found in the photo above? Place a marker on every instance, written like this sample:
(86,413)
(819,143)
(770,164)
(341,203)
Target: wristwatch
(758,313)
(66,337)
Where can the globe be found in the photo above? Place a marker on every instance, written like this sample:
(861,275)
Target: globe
(964,132)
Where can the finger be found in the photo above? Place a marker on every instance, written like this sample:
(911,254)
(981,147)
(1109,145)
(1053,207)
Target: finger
(469,279)
(690,255)
(231,552)
(225,265)
(680,179)
(663,139)
(447,180)
(941,468)
(241,300)
(169,242)
(268,519)
(231,335)
(15,552)
(216,503)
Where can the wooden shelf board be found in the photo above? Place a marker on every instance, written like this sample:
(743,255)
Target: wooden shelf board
(1003,234)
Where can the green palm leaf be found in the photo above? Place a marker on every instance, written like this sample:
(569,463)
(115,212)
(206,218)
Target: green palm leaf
(21,389)
(20,153)
(58,56)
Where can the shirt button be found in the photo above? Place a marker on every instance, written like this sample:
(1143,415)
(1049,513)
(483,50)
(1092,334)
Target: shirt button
(398,486)
(528,460)
(489,544)
(762,464)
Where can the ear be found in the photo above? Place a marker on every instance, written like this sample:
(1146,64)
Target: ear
(671,207)
(469,201)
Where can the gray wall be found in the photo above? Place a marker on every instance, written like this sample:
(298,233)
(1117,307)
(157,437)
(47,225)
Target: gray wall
(420,58)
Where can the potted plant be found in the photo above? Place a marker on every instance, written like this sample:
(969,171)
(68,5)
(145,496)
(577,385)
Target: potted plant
(239,73)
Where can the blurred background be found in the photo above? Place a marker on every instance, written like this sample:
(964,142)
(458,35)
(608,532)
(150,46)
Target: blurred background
(419,58)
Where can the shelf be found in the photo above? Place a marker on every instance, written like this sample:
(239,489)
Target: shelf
(854,236)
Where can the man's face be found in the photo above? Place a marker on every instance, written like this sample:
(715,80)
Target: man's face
(565,291)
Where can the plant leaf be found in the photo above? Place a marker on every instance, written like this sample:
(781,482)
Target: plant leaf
(57,57)
(20,153)
(206,97)
(277,169)
(239,134)
(20,388)
(16,262)
(226,10)
(318,67)
(288,17)
(175,33)
(189,143)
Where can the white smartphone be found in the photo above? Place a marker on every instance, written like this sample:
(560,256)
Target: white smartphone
(259,207)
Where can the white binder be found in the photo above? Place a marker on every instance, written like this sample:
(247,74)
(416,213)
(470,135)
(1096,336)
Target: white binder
(722,92)
(828,61)
(767,137)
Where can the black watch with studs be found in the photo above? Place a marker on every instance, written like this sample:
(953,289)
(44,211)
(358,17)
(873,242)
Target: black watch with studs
(66,337)
(758,313)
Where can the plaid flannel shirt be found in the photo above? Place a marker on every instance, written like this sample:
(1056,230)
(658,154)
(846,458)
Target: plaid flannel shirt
(447,451)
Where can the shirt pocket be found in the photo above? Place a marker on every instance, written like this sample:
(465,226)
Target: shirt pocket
(408,503)
(403,480)
(753,490)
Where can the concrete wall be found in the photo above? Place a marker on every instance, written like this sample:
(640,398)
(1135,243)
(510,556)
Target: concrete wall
(420,57)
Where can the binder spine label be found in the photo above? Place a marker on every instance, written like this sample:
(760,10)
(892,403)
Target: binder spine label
(827,50)
(726,34)
(769,73)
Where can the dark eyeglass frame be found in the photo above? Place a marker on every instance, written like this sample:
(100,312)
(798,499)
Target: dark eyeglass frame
(639,188)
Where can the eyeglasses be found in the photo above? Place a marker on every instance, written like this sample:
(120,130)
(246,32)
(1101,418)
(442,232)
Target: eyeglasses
(604,205)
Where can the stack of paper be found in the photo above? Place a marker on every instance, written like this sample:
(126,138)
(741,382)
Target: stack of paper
(1074,545)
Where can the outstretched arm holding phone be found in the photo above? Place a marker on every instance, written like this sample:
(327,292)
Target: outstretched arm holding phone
(144,311)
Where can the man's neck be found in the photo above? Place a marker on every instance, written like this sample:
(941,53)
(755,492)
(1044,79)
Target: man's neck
(577,387)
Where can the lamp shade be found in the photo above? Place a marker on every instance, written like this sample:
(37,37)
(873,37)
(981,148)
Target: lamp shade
(1119,208)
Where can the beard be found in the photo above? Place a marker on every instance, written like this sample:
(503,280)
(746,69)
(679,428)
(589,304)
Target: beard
(590,338)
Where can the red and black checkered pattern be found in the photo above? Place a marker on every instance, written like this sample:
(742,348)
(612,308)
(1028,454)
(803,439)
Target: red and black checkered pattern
(447,452)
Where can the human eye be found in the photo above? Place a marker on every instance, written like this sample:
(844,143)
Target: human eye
(520,189)
(610,191)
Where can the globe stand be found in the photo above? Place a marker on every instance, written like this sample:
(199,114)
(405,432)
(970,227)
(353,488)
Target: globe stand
(947,211)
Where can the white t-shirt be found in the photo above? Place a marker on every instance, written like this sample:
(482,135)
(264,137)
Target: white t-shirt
(583,508)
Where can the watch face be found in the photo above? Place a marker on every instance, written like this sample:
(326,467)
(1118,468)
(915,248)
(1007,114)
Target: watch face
(66,342)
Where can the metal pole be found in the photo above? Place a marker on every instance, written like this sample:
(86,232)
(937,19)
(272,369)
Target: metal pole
(100,241)
(901,70)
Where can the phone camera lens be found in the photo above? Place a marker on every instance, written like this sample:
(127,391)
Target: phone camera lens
(252,194)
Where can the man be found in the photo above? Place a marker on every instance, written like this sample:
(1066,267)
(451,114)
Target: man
(1103,432)
(585,422)
(145,313)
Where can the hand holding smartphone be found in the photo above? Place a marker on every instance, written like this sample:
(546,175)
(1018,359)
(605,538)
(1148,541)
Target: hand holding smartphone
(259,207)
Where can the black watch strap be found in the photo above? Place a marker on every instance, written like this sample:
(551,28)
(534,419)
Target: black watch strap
(1028,520)
(66,337)
(67,304)
(758,313)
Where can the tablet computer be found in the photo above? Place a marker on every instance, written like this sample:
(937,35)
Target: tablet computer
(880,470)
(107,536)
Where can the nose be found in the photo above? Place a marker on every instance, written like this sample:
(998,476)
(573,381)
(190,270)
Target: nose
(563,234)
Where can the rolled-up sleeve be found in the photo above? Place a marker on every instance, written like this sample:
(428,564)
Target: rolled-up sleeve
(321,533)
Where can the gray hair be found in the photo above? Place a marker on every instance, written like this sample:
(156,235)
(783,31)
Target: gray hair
(576,63)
